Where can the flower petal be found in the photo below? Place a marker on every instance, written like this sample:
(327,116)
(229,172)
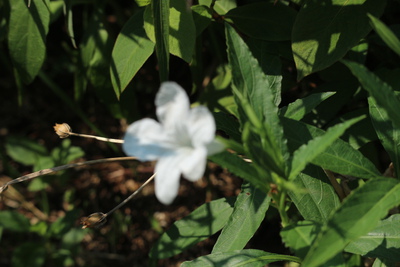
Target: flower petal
(193,164)
(172,105)
(167,179)
(201,126)
(214,147)
(145,139)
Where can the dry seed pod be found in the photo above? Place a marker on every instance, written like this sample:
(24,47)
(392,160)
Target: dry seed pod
(62,130)
(94,220)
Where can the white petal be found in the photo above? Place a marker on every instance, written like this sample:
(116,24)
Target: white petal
(201,126)
(167,179)
(194,164)
(172,105)
(145,139)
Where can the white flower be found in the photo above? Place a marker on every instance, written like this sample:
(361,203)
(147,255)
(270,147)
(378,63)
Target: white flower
(180,141)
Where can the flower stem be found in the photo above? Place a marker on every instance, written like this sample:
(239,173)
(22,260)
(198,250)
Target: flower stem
(60,168)
(105,139)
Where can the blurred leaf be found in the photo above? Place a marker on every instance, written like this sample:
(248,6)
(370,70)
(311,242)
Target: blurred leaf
(56,9)
(340,157)
(316,198)
(181,33)
(201,18)
(308,152)
(31,254)
(382,242)
(205,221)
(24,150)
(28,27)
(131,50)
(303,106)
(236,165)
(143,2)
(72,238)
(14,221)
(70,21)
(358,214)
(221,6)
(386,34)
(264,20)
(64,224)
(66,153)
(324,31)
(388,135)
(382,93)
(246,257)
(39,228)
(248,213)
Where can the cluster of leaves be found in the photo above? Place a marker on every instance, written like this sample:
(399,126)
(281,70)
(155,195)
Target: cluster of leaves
(291,147)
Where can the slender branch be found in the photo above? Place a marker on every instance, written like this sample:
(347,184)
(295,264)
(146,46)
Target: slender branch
(60,168)
(105,139)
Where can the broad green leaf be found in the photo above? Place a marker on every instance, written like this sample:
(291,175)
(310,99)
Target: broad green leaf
(63,224)
(264,20)
(236,165)
(24,150)
(303,106)
(29,254)
(228,124)
(388,135)
(386,34)
(299,237)
(246,257)
(382,93)
(182,30)
(323,31)
(248,213)
(359,213)
(205,221)
(308,152)
(201,18)
(220,6)
(316,198)
(28,27)
(14,221)
(340,157)
(72,238)
(158,24)
(268,55)
(131,50)
(66,153)
(382,242)
(257,96)
(143,2)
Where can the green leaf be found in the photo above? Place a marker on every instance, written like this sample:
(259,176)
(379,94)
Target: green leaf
(316,198)
(131,50)
(201,18)
(358,214)
(182,30)
(70,23)
(14,221)
(24,150)
(246,257)
(382,93)
(257,96)
(29,254)
(299,108)
(324,31)
(388,135)
(382,242)
(66,153)
(308,152)
(64,224)
(248,213)
(205,221)
(340,157)
(236,165)
(28,27)
(264,20)
(228,124)
(220,6)
(386,34)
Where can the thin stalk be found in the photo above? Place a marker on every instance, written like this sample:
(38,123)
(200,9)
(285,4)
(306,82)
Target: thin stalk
(60,168)
(105,139)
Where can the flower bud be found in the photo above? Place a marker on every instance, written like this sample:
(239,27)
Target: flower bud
(62,130)
(94,220)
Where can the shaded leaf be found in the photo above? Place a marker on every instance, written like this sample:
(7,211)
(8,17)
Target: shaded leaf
(220,6)
(386,34)
(324,31)
(24,150)
(248,213)
(27,32)
(264,20)
(131,50)
(197,226)
(358,214)
(14,221)
(247,257)
(29,254)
